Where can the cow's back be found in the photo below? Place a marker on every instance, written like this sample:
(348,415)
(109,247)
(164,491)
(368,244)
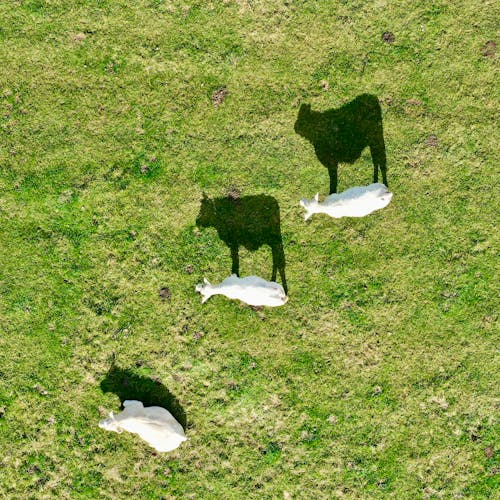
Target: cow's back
(250,221)
(351,128)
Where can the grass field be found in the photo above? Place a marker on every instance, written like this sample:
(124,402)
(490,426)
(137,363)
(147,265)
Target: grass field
(379,377)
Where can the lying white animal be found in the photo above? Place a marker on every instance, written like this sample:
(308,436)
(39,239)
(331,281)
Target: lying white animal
(154,424)
(252,290)
(354,202)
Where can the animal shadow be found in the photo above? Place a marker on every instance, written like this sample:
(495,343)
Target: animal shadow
(248,221)
(340,135)
(129,385)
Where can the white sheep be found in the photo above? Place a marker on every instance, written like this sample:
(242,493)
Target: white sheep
(252,290)
(154,424)
(354,202)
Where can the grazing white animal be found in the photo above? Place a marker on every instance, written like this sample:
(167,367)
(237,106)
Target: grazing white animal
(252,290)
(154,424)
(354,202)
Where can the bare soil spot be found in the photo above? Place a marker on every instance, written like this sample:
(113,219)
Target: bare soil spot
(218,96)
(388,37)
(332,419)
(489,452)
(33,469)
(389,101)
(164,293)
(41,390)
(234,193)
(432,141)
(439,401)
(414,102)
(489,48)
(189,269)
(79,37)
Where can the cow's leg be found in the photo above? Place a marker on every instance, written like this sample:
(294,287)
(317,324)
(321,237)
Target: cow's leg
(329,161)
(377,150)
(383,169)
(332,171)
(235,269)
(277,250)
(279,263)
(283,278)
(275,265)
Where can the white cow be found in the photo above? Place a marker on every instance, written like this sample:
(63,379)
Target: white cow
(354,202)
(154,424)
(252,290)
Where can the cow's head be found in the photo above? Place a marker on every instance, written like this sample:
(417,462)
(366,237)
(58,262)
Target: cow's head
(206,217)
(311,206)
(303,124)
(110,424)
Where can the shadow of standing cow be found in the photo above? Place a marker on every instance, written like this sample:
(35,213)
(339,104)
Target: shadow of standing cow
(248,221)
(340,135)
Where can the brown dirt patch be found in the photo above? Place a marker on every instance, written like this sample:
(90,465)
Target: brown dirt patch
(432,141)
(218,96)
(489,48)
(388,37)
(164,293)
(414,102)
(414,163)
(234,193)
(259,310)
(41,390)
(389,101)
(79,37)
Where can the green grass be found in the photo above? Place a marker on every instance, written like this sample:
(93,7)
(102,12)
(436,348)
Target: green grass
(378,379)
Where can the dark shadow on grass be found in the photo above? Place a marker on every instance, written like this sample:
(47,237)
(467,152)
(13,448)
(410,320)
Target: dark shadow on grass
(248,221)
(129,385)
(340,135)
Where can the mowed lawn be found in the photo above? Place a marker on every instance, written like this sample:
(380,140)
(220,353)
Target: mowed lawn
(378,378)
